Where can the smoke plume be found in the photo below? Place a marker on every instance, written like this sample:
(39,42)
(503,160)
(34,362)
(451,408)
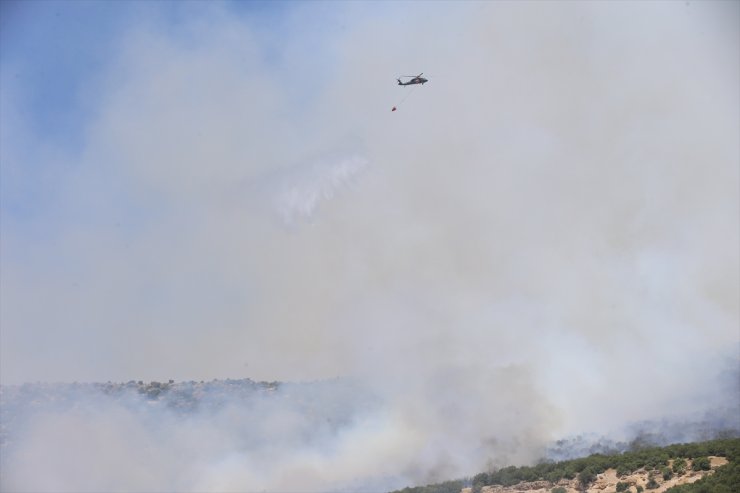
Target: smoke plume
(541,242)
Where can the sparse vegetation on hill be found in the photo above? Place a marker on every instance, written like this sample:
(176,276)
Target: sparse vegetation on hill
(726,479)
(323,404)
(586,469)
(661,463)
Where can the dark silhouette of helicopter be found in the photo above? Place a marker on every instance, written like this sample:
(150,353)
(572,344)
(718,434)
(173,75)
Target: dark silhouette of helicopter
(415,79)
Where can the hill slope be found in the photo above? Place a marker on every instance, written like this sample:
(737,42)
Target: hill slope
(712,466)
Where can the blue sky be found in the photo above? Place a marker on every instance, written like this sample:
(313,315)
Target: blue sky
(220,190)
(56,55)
(53,50)
(56,49)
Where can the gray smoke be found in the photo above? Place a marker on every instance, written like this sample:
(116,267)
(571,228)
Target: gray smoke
(541,242)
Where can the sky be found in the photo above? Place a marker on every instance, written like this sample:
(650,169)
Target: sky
(198,190)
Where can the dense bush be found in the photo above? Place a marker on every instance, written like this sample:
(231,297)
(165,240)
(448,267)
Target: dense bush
(587,476)
(622,486)
(679,466)
(701,464)
(656,460)
(623,470)
(481,479)
(558,489)
(554,476)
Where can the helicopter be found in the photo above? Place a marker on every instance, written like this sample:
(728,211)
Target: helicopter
(415,79)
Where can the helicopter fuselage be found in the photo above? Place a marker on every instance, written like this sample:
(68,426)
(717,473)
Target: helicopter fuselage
(415,80)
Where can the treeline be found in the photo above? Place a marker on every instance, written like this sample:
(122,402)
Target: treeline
(654,460)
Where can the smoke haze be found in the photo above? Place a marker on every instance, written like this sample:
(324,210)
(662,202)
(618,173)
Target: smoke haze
(542,241)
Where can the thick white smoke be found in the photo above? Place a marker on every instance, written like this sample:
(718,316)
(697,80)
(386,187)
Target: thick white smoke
(542,241)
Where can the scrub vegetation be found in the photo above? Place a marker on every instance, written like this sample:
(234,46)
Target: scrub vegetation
(661,463)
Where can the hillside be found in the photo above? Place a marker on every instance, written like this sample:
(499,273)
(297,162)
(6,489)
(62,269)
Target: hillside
(295,414)
(609,481)
(322,405)
(706,467)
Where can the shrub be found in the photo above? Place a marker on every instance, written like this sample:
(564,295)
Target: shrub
(701,464)
(526,473)
(481,478)
(667,473)
(656,460)
(586,476)
(651,484)
(554,476)
(622,486)
(558,489)
(679,466)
